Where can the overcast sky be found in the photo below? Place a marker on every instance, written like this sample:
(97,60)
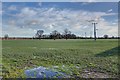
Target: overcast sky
(23,19)
(60,0)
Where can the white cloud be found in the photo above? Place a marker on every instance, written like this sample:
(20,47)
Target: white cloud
(0,28)
(40,4)
(1,9)
(94,0)
(83,0)
(27,12)
(0,19)
(86,3)
(12,22)
(1,12)
(110,10)
(60,0)
(50,19)
(12,8)
(17,31)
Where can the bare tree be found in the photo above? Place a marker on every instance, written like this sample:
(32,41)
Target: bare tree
(105,36)
(54,34)
(6,36)
(39,33)
(67,33)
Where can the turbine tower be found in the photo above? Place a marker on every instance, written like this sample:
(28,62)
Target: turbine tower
(85,35)
(94,25)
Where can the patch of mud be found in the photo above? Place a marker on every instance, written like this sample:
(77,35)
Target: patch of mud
(49,48)
(44,48)
(94,74)
(43,72)
(6,48)
(33,47)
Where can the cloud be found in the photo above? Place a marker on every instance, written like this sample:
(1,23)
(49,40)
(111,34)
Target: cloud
(110,10)
(27,12)
(31,19)
(1,9)
(11,22)
(1,12)
(60,0)
(85,0)
(17,31)
(94,0)
(40,4)
(12,8)
(1,18)
(0,27)
(86,3)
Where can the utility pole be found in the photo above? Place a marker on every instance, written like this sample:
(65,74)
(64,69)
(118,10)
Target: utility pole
(90,34)
(85,35)
(94,25)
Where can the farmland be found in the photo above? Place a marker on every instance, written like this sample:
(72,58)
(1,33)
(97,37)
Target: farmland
(73,57)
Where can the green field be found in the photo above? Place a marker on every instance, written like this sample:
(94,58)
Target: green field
(74,57)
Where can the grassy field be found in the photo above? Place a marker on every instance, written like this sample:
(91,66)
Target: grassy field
(74,57)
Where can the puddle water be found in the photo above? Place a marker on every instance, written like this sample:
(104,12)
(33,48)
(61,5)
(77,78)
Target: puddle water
(42,72)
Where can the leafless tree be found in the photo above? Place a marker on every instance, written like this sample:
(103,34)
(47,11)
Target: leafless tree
(67,33)
(39,33)
(54,34)
(6,36)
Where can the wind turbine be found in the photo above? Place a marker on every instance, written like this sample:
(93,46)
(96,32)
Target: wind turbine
(94,26)
(85,35)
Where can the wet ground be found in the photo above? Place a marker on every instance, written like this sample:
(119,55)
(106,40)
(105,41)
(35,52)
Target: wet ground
(42,72)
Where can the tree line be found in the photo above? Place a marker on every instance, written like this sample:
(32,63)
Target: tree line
(55,35)
(67,34)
